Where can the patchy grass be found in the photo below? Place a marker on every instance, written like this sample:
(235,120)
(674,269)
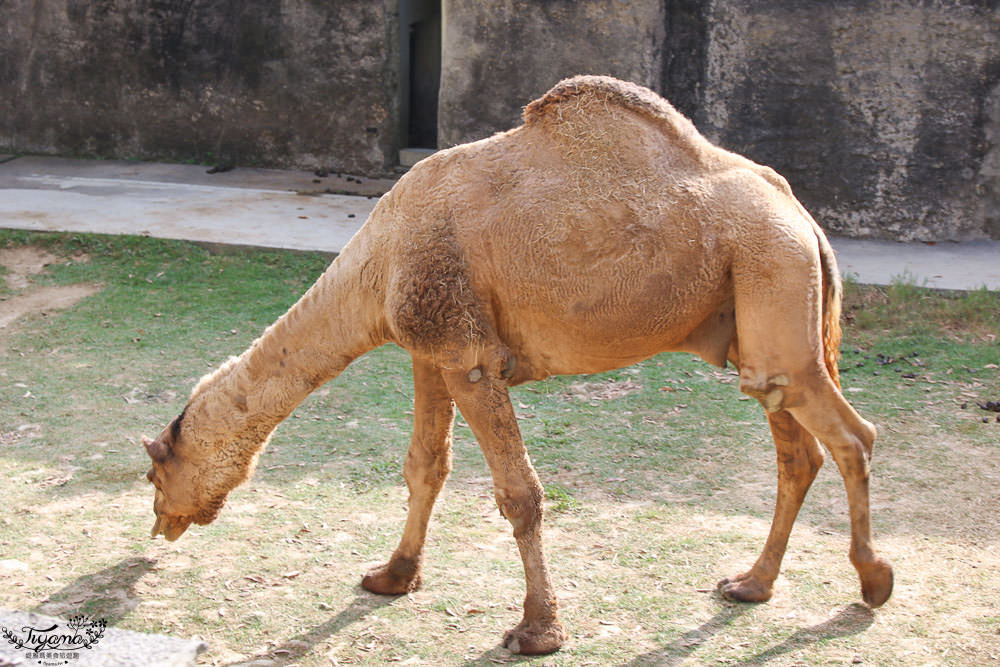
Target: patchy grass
(659,480)
(915,311)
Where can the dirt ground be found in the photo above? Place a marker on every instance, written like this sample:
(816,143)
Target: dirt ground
(25,298)
(275,581)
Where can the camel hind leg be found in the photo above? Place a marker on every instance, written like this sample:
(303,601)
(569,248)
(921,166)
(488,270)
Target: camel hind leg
(799,459)
(850,439)
(779,311)
(427,466)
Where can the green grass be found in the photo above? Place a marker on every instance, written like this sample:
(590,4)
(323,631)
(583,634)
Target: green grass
(561,497)
(659,480)
(915,312)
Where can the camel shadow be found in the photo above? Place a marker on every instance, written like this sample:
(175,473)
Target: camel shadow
(108,593)
(673,654)
(848,621)
(296,647)
(683,646)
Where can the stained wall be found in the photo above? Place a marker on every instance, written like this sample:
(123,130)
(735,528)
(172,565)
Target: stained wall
(883,114)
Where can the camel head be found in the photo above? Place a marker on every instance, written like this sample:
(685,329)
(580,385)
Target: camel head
(185,492)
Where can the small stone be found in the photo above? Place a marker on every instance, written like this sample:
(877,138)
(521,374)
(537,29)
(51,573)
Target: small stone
(12,564)
(475,375)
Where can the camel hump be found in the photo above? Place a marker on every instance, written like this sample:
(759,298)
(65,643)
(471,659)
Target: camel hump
(605,90)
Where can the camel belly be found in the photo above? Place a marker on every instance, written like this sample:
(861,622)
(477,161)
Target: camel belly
(578,338)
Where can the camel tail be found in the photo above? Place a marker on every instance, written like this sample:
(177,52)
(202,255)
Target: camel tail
(832,293)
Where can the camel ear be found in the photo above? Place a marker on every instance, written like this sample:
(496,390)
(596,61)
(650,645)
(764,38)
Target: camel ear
(157,449)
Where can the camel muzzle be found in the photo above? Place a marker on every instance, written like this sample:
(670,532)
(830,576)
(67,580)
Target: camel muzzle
(170,527)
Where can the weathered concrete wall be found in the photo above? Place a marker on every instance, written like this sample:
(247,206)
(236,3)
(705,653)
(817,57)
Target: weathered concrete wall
(274,82)
(883,114)
(878,113)
(498,56)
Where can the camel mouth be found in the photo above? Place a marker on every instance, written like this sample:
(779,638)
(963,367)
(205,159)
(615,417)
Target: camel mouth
(170,527)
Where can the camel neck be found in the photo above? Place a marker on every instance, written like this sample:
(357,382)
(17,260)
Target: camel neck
(337,320)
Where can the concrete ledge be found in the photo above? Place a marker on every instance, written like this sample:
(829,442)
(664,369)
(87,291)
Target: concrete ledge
(263,208)
(945,265)
(116,648)
(410,156)
(259,208)
(254,178)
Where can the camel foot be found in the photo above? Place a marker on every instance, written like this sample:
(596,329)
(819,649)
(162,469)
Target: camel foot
(745,588)
(535,638)
(876,582)
(396,577)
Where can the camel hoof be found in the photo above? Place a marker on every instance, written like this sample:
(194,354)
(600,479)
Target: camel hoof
(744,588)
(535,639)
(876,582)
(393,578)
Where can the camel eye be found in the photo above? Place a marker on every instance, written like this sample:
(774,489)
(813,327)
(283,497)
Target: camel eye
(149,475)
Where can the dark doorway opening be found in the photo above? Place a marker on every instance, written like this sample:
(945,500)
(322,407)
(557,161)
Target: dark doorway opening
(420,78)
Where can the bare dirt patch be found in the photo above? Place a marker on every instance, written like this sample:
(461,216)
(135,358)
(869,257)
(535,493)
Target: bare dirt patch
(25,261)
(21,263)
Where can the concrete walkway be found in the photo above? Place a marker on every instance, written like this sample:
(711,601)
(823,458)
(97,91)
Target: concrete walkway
(301,211)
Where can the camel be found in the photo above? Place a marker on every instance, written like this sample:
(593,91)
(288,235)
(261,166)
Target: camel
(602,231)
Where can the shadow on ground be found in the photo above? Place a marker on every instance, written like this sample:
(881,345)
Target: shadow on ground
(294,648)
(674,654)
(683,646)
(850,620)
(108,593)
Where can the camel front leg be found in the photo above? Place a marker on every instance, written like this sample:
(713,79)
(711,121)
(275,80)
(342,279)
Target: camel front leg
(427,466)
(481,395)
(799,459)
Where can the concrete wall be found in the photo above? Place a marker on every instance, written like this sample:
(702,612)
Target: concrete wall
(272,82)
(878,113)
(498,56)
(883,114)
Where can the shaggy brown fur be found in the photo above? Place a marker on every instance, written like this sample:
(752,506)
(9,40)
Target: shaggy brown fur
(601,232)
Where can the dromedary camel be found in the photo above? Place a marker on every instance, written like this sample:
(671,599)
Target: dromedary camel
(602,231)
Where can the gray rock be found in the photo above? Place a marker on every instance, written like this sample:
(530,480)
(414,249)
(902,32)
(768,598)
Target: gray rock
(116,648)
